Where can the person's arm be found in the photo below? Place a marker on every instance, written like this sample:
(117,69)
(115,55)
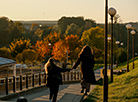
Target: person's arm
(77,63)
(62,70)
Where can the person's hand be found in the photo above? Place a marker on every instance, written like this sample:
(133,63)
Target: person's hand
(71,69)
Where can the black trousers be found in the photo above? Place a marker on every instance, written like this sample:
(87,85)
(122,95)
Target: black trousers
(53,92)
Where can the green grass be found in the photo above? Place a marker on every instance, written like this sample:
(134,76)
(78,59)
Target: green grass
(123,89)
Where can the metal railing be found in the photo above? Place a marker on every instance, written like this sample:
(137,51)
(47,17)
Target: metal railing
(23,82)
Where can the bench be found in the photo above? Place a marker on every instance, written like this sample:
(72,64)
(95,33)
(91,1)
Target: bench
(123,70)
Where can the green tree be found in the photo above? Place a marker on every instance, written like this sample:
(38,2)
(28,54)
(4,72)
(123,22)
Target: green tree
(71,29)
(89,23)
(29,55)
(5,52)
(94,37)
(4,23)
(64,21)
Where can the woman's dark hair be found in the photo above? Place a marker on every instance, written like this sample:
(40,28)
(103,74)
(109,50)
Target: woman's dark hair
(86,51)
(49,62)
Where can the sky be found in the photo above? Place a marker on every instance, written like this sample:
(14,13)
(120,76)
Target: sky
(55,9)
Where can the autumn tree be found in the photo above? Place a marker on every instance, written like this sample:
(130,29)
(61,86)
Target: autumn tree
(52,38)
(42,49)
(60,49)
(74,46)
(18,45)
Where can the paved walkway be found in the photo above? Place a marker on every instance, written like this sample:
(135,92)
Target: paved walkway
(67,93)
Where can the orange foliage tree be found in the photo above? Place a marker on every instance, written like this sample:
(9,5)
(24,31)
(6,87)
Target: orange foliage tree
(74,46)
(60,49)
(52,37)
(42,49)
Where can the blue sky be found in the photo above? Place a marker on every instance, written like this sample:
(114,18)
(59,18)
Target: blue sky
(55,9)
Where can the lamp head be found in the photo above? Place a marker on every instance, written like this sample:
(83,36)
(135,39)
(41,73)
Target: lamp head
(108,38)
(49,44)
(112,11)
(133,32)
(122,43)
(128,26)
(117,42)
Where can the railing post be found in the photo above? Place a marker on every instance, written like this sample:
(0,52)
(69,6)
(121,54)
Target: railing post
(74,75)
(26,81)
(13,83)
(33,80)
(64,76)
(67,76)
(71,76)
(39,78)
(78,75)
(6,85)
(20,82)
(44,77)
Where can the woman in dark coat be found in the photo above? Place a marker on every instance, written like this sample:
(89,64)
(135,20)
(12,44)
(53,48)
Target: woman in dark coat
(54,78)
(86,58)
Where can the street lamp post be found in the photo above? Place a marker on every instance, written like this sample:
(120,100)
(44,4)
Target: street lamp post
(105,81)
(109,39)
(112,12)
(128,26)
(133,33)
(117,43)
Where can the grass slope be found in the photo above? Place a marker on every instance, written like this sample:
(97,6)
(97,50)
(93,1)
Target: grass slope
(123,89)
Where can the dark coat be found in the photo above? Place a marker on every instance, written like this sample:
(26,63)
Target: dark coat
(87,65)
(54,75)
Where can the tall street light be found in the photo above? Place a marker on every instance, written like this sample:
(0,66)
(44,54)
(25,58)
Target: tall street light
(128,26)
(112,12)
(109,39)
(133,33)
(117,43)
(105,81)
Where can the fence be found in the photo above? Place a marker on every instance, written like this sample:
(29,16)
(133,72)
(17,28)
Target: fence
(24,82)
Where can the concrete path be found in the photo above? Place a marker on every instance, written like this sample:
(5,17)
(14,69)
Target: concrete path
(67,93)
